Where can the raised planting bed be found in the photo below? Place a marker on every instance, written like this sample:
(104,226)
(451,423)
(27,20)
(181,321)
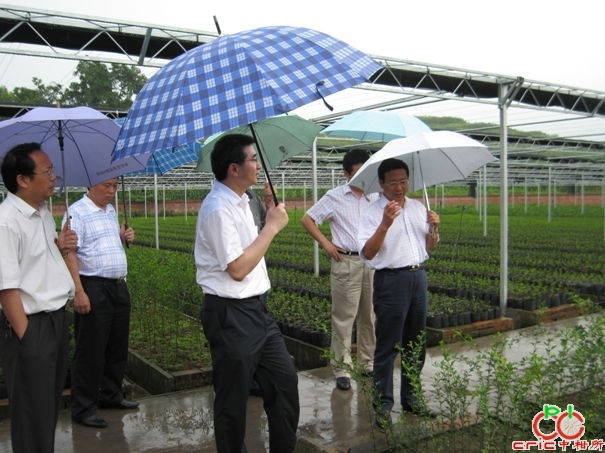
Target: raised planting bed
(157,381)
(525,318)
(476,329)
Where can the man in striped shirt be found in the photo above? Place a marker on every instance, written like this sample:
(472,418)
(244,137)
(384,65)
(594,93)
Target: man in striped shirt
(101,306)
(351,278)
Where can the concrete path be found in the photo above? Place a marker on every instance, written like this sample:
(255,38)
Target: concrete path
(182,422)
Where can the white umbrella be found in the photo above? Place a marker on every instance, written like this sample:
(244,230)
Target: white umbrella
(432,157)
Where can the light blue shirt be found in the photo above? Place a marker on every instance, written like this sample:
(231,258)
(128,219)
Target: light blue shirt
(100,251)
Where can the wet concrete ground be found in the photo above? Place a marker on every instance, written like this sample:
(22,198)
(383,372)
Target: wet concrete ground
(182,422)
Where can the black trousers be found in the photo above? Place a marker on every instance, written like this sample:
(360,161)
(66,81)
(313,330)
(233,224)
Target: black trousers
(400,305)
(101,350)
(34,372)
(245,342)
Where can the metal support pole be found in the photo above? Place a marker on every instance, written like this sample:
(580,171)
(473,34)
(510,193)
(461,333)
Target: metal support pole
(283,187)
(156,213)
(185,201)
(129,204)
(538,194)
(304,196)
(164,200)
(333,179)
(575,194)
(512,186)
(314,176)
(554,192)
(582,182)
(478,199)
(525,195)
(145,199)
(442,196)
(502,101)
(484,200)
(549,202)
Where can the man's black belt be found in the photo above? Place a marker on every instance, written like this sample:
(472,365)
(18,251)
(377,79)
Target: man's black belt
(110,281)
(412,268)
(349,253)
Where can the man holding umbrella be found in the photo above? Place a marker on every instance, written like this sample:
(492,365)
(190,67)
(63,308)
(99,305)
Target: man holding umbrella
(101,306)
(394,236)
(35,285)
(244,339)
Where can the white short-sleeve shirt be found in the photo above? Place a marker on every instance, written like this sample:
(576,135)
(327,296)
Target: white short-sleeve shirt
(29,258)
(405,241)
(343,209)
(225,227)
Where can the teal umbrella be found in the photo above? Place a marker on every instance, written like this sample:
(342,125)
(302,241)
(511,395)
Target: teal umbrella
(280,137)
(377,126)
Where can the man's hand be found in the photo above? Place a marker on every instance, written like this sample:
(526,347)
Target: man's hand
(68,239)
(277,218)
(391,211)
(433,218)
(126,234)
(81,303)
(332,250)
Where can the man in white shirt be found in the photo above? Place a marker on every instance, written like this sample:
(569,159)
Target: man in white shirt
(35,285)
(245,341)
(394,236)
(351,278)
(101,306)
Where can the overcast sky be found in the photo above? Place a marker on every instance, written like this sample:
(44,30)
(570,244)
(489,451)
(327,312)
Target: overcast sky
(538,40)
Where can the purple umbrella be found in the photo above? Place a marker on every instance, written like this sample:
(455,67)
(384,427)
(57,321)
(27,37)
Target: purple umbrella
(81,138)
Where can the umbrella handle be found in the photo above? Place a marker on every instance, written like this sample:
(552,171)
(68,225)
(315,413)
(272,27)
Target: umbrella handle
(126,243)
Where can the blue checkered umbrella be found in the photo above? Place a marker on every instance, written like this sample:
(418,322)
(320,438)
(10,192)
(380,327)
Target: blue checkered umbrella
(163,160)
(236,80)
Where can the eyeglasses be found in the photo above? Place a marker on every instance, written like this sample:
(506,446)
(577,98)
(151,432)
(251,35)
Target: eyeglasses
(48,173)
(402,183)
(252,159)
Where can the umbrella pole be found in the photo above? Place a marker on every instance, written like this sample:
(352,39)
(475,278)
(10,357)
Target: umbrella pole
(61,148)
(125,215)
(262,161)
(426,195)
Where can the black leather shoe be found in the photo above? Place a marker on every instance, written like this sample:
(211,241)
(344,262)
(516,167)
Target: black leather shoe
(92,421)
(124,404)
(428,412)
(343,383)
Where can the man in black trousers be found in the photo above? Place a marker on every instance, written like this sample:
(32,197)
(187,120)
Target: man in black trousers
(244,339)
(101,306)
(35,285)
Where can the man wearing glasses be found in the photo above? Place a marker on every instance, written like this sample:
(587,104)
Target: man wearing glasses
(101,306)
(394,236)
(35,285)
(245,341)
